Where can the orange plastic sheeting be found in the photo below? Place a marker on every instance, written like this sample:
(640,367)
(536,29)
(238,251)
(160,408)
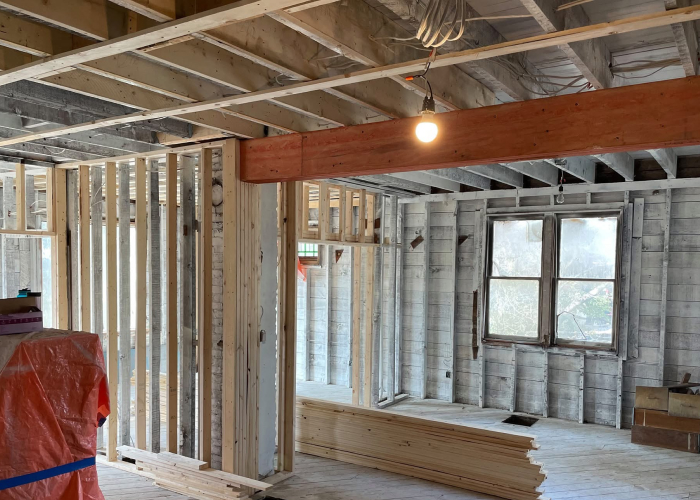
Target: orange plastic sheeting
(53,394)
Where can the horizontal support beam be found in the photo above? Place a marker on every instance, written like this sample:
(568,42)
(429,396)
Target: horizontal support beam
(429,180)
(647,116)
(512,47)
(463,177)
(610,187)
(540,170)
(622,163)
(667,159)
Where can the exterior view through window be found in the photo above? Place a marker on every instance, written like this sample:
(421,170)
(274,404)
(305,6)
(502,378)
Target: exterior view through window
(580,259)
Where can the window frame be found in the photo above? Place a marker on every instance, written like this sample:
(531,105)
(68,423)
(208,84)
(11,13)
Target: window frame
(488,278)
(612,346)
(309,260)
(549,278)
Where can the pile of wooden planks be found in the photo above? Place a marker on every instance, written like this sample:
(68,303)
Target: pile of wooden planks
(491,462)
(192,477)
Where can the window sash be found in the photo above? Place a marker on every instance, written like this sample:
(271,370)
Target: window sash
(549,280)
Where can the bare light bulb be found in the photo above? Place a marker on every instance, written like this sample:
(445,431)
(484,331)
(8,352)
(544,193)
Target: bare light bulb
(560,196)
(427,129)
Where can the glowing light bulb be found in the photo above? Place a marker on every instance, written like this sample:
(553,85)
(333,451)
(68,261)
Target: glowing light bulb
(427,129)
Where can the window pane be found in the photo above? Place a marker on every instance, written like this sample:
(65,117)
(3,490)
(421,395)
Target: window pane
(517,248)
(588,248)
(585,311)
(513,308)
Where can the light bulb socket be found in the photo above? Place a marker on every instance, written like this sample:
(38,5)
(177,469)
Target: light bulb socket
(428,106)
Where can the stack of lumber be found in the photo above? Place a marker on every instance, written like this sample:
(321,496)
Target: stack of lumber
(191,477)
(668,417)
(482,460)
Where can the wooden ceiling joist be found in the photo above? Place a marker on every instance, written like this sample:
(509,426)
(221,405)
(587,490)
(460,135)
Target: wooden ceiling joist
(214,18)
(648,116)
(463,177)
(622,163)
(498,173)
(517,46)
(540,170)
(686,38)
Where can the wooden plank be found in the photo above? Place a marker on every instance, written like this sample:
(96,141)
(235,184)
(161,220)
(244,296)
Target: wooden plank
(330,259)
(159,10)
(664,288)
(205,296)
(426,287)
(171,304)
(20,198)
(111,301)
(187,286)
(124,303)
(96,224)
(684,405)
(156,302)
(84,235)
(663,438)
(625,277)
(141,302)
(545,384)
(230,157)
(356,310)
(398,325)
(377,306)
(323,211)
(514,377)
(635,275)
(662,420)
(618,394)
(452,314)
(390,322)
(369,229)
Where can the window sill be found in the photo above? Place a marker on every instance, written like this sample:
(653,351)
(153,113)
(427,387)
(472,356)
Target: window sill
(566,349)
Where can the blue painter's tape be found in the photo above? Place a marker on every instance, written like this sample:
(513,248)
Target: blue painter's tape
(13,482)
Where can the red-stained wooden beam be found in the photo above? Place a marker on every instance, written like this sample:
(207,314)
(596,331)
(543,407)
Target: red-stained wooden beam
(637,117)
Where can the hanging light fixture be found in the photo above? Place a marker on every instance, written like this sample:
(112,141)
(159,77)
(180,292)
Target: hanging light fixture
(560,196)
(427,129)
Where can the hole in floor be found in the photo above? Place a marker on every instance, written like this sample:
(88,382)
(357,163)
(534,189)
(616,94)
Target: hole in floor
(520,420)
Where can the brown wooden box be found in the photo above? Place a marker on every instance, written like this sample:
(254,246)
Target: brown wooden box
(664,438)
(684,405)
(656,398)
(662,420)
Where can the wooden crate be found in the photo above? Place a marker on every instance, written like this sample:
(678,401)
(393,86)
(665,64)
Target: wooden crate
(665,438)
(662,420)
(684,405)
(656,398)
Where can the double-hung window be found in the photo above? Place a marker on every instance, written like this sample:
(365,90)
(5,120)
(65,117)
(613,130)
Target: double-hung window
(553,279)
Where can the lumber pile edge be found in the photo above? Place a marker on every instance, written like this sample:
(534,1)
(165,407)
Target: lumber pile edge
(475,459)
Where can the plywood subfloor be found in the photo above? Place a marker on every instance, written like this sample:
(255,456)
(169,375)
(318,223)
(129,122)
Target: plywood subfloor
(583,462)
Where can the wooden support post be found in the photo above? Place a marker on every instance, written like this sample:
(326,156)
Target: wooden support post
(390,385)
(156,300)
(171,280)
(514,378)
(230,163)
(111,302)
(636,276)
(307,347)
(204,343)
(618,409)
(355,355)
(452,313)
(84,234)
(20,198)
(625,278)
(141,243)
(426,308)
(187,307)
(581,380)
(545,384)
(361,217)
(341,213)
(73,208)
(481,224)
(330,259)
(548,257)
(399,304)
(124,304)
(664,289)
(96,245)
(378,320)
(50,200)
(324,208)
(305,233)
(288,339)
(369,322)
(369,228)
(61,275)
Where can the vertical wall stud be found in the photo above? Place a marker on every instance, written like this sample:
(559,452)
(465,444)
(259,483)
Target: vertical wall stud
(205,304)
(171,280)
(21,197)
(514,378)
(96,275)
(112,317)
(330,259)
(355,351)
(156,300)
(141,243)
(125,303)
(369,334)
(61,275)
(84,233)
(664,289)
(581,381)
(390,382)
(426,309)
(545,383)
(452,314)
(618,409)
(635,275)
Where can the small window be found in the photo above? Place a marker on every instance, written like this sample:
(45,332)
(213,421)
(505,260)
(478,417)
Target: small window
(514,279)
(585,284)
(308,254)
